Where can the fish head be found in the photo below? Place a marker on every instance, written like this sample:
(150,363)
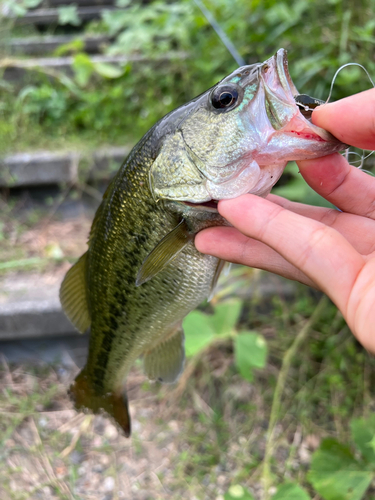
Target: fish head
(237,137)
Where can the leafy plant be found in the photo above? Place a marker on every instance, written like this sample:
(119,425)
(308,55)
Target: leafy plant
(201,330)
(20,7)
(287,491)
(183,56)
(339,472)
(69,15)
(237,492)
(290,491)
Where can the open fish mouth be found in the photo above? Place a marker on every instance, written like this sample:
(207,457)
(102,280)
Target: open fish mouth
(279,107)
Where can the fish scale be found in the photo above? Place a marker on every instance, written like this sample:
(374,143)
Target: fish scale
(142,273)
(130,240)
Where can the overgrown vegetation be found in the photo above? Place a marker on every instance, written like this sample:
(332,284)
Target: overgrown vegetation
(182,56)
(276,399)
(215,434)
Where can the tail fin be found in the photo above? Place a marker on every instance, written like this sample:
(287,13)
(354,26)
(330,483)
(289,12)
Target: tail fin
(115,404)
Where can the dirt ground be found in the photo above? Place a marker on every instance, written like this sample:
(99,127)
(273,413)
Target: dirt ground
(50,451)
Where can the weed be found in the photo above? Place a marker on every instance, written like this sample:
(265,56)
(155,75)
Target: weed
(210,432)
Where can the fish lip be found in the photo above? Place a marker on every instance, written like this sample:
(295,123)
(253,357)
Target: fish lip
(302,127)
(281,63)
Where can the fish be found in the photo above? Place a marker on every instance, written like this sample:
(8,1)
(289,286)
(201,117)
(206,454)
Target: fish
(141,274)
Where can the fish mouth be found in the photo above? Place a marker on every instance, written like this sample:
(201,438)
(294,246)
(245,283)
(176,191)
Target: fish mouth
(303,102)
(297,122)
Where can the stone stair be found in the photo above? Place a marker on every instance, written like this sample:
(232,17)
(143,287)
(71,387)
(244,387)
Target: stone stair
(29,303)
(47,44)
(46,167)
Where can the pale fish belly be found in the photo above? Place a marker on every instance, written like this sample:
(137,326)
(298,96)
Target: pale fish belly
(166,300)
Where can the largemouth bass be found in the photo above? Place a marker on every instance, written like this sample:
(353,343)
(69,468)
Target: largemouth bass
(141,273)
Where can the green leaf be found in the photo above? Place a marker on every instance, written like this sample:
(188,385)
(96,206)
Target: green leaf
(108,70)
(74,46)
(16,10)
(198,332)
(290,491)
(69,15)
(336,474)
(226,316)
(250,351)
(31,4)
(237,492)
(363,433)
(83,68)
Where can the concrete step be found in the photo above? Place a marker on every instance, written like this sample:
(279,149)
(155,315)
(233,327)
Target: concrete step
(30,306)
(43,45)
(46,17)
(79,3)
(16,69)
(45,167)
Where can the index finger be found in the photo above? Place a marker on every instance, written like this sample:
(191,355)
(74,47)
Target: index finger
(320,252)
(351,120)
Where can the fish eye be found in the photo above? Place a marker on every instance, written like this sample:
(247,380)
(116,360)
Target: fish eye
(224,97)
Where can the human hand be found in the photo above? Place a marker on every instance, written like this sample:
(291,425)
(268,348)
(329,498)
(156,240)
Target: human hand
(330,250)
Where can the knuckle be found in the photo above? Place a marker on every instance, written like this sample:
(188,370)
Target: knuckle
(263,230)
(330,217)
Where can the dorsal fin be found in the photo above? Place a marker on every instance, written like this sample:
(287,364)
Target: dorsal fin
(164,252)
(73,295)
(166,361)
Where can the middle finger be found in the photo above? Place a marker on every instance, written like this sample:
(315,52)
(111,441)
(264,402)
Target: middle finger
(359,231)
(345,186)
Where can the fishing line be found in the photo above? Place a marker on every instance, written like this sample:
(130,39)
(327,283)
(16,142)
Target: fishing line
(361,157)
(220,33)
(341,68)
(347,152)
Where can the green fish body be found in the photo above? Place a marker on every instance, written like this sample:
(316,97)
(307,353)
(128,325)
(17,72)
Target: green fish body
(142,273)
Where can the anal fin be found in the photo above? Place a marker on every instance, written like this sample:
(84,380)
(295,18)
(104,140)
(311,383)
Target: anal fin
(166,361)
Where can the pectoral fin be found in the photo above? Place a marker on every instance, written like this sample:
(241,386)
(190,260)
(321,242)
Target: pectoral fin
(164,252)
(166,361)
(73,295)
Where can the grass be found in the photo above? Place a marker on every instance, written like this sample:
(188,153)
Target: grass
(37,237)
(213,429)
(200,437)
